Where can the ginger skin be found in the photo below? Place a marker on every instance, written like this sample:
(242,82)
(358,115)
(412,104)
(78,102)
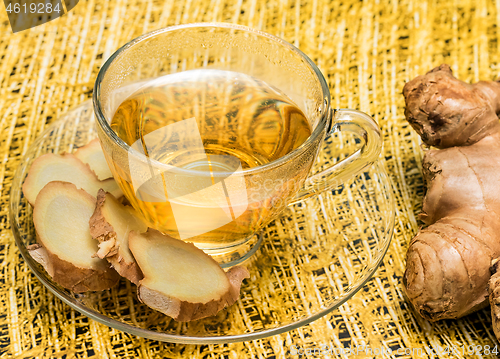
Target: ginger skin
(494,289)
(110,225)
(448,262)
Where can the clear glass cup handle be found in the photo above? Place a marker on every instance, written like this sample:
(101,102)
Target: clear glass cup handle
(367,131)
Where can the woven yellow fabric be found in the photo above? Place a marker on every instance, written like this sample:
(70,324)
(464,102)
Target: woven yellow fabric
(367,50)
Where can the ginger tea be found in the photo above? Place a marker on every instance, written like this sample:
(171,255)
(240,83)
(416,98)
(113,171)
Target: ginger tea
(208,122)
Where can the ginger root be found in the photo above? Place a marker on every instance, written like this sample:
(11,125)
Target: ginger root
(110,225)
(494,291)
(181,280)
(448,262)
(65,249)
(66,168)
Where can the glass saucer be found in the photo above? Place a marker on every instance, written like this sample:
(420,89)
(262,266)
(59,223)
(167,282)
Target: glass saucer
(313,258)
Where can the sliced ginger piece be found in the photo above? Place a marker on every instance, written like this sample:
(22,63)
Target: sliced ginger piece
(110,225)
(66,248)
(181,280)
(92,155)
(66,168)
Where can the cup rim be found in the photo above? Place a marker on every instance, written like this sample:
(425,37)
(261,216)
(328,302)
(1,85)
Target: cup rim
(105,126)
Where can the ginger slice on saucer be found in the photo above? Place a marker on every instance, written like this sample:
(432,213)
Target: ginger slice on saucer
(110,225)
(92,155)
(65,247)
(66,168)
(181,280)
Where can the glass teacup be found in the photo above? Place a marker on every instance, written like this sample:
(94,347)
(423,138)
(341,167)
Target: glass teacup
(211,131)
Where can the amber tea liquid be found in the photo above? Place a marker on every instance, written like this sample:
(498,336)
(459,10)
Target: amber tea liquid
(237,116)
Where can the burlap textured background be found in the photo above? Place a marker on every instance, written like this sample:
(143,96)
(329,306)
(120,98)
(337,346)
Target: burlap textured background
(367,50)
